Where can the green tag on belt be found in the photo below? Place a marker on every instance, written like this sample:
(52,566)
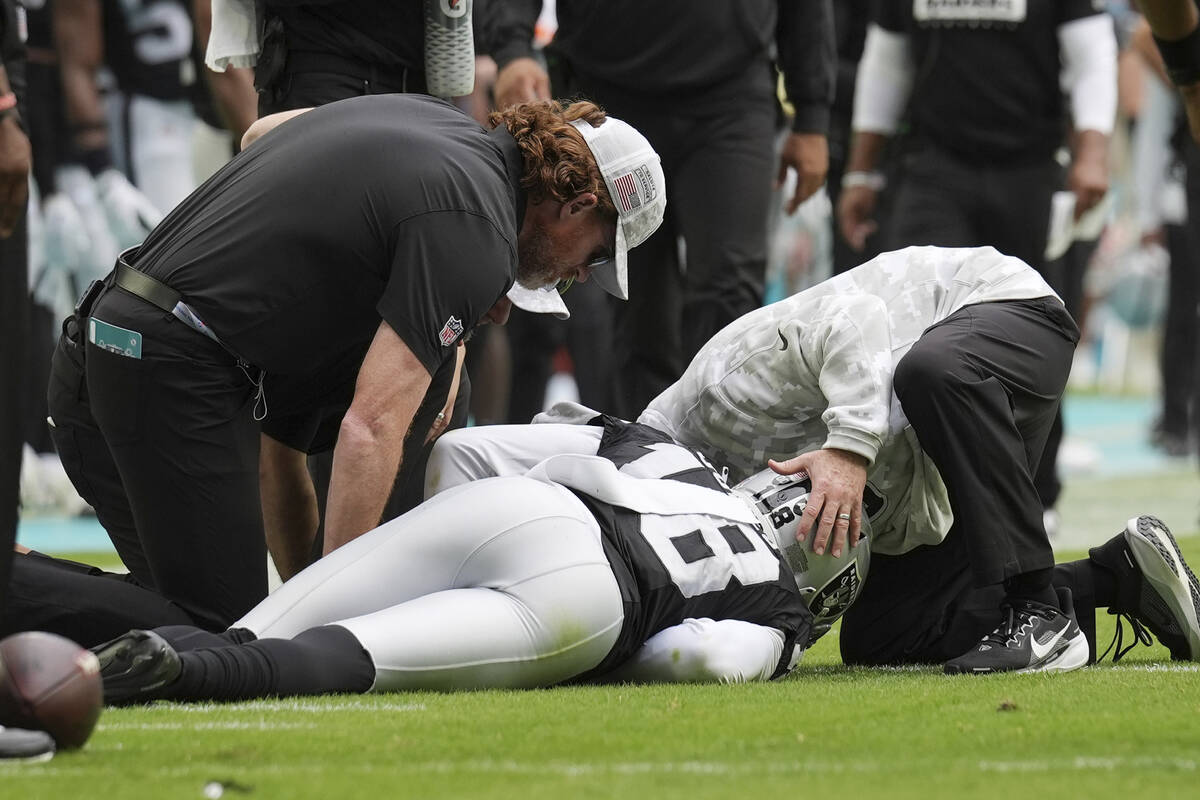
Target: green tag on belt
(121,341)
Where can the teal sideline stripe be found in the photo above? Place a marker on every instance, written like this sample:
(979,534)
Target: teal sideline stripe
(1119,427)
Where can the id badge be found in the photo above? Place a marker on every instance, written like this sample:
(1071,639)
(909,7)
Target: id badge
(114,339)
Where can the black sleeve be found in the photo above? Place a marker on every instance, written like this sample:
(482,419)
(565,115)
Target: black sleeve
(808,60)
(448,269)
(892,16)
(507,29)
(1077,9)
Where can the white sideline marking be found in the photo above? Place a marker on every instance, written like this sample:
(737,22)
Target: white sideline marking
(204,726)
(715,768)
(1090,764)
(1158,667)
(305,706)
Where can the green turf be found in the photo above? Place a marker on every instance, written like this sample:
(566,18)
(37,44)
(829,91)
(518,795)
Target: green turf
(1131,730)
(1127,730)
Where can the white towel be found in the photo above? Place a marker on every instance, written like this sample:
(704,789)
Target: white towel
(234,38)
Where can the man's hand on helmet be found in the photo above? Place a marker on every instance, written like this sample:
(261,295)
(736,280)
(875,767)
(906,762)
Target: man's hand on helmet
(835,502)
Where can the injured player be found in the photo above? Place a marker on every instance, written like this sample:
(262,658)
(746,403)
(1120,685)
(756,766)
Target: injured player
(635,562)
(916,390)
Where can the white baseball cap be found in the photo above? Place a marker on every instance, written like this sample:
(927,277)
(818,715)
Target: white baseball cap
(633,174)
(545,300)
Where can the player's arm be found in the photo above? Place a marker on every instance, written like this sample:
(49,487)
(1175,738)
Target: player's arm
(705,651)
(1089,74)
(391,384)
(521,77)
(79,39)
(15,162)
(232,90)
(808,59)
(885,79)
(1174,24)
(289,503)
(269,123)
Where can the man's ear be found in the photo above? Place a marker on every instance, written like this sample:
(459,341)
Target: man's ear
(579,204)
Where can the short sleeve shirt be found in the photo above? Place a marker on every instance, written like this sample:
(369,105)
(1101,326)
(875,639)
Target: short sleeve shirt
(987,73)
(392,207)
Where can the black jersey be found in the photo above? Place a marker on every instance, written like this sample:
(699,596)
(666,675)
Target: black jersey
(392,207)
(672,567)
(987,74)
(148,46)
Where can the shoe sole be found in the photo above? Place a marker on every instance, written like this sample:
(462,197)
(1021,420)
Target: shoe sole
(1158,556)
(133,650)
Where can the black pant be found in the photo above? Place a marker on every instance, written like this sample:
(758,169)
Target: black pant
(1180,357)
(536,337)
(719,167)
(981,390)
(924,607)
(14,311)
(942,200)
(165,449)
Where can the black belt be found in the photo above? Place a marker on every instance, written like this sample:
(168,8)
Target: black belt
(139,284)
(403,79)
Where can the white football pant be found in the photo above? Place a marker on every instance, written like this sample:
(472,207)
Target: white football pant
(500,583)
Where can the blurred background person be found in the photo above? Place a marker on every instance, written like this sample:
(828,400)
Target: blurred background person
(699,80)
(981,89)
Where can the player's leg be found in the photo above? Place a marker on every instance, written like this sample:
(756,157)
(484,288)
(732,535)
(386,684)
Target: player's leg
(1141,575)
(530,601)
(433,548)
(488,451)
(933,202)
(161,149)
(721,191)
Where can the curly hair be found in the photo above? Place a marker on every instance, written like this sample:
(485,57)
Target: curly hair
(558,164)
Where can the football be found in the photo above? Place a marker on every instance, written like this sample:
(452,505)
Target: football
(49,683)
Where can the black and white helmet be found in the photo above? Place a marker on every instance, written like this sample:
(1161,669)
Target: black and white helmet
(828,585)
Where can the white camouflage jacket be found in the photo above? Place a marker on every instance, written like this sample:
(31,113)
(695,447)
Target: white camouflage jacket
(815,370)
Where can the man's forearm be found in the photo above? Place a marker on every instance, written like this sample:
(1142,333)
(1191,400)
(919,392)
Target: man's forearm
(866,151)
(365,465)
(289,503)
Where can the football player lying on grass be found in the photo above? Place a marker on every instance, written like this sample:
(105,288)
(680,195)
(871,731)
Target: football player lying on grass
(635,562)
(917,390)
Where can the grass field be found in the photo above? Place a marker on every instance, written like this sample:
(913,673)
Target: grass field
(1130,730)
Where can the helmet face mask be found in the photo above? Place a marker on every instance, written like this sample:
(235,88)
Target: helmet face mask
(828,584)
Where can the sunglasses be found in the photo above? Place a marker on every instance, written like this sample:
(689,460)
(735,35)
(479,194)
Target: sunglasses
(595,263)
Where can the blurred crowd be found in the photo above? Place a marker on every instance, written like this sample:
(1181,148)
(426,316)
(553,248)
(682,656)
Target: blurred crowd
(1089,178)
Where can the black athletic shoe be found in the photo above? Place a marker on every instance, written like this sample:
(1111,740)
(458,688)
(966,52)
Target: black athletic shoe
(18,744)
(1032,638)
(136,667)
(1156,589)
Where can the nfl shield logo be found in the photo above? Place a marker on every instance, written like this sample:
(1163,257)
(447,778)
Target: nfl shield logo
(451,331)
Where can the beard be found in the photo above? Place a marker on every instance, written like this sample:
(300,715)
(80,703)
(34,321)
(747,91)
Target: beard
(537,265)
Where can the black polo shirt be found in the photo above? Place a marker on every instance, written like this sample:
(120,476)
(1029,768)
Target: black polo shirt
(987,74)
(397,207)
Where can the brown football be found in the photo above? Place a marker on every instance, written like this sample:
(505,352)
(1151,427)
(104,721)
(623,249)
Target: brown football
(50,683)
